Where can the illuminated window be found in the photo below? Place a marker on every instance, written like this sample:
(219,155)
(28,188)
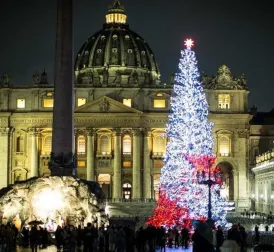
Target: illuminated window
(156,182)
(127,191)
(81,163)
(104,179)
(81,145)
(81,101)
(224,101)
(48,103)
(127,164)
(19,144)
(159,144)
(127,102)
(159,95)
(47,144)
(224,145)
(158,164)
(127,144)
(21,103)
(157,103)
(104,145)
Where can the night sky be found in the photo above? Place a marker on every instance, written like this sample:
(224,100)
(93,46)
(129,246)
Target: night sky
(237,33)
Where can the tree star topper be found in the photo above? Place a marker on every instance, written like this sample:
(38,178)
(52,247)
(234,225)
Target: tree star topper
(189,43)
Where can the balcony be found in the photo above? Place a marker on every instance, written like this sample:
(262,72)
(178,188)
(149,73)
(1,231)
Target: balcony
(104,155)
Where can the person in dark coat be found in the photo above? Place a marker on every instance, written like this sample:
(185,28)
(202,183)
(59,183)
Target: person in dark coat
(185,237)
(59,237)
(219,238)
(90,234)
(33,238)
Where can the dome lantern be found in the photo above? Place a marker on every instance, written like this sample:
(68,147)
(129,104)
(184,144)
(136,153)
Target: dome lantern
(116,13)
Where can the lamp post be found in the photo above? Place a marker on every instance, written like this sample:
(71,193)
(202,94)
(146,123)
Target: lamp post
(203,179)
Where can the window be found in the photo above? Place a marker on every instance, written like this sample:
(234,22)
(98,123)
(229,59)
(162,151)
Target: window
(159,144)
(224,101)
(158,164)
(127,145)
(157,103)
(81,163)
(159,95)
(81,145)
(127,164)
(20,144)
(81,101)
(47,144)
(127,102)
(104,145)
(21,103)
(224,145)
(48,103)
(126,191)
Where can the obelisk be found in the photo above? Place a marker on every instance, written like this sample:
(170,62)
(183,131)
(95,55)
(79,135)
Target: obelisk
(62,161)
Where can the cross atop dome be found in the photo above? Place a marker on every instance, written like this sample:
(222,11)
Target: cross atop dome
(116,13)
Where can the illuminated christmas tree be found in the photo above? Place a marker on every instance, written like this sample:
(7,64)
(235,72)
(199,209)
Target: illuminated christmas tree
(189,151)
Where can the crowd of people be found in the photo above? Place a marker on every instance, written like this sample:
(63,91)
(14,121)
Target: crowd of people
(203,237)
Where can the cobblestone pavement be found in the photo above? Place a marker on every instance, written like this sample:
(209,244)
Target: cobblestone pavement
(53,249)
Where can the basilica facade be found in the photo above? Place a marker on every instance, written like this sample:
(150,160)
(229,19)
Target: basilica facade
(121,111)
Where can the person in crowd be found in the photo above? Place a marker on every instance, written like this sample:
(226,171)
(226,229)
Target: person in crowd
(90,235)
(257,235)
(120,240)
(33,238)
(176,238)
(79,237)
(59,237)
(185,237)
(71,239)
(101,239)
(112,239)
(219,238)
(25,233)
(202,238)
(170,236)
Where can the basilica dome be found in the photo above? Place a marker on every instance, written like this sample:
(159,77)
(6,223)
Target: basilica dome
(116,55)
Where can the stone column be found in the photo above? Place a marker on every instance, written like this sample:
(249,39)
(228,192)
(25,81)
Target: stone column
(4,156)
(33,153)
(90,154)
(136,169)
(243,199)
(117,170)
(147,164)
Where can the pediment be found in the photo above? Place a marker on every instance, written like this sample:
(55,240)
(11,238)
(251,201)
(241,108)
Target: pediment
(105,104)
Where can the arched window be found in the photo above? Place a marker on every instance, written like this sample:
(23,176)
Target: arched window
(127,144)
(224,145)
(20,144)
(81,145)
(159,144)
(47,144)
(104,145)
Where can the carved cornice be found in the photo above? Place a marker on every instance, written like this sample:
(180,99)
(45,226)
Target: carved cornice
(243,133)
(147,133)
(137,131)
(33,131)
(117,132)
(97,122)
(4,131)
(90,131)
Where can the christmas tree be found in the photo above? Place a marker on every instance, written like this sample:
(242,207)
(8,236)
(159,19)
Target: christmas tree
(189,151)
